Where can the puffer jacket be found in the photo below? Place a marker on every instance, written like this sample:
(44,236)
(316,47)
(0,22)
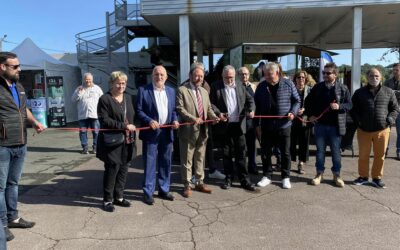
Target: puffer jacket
(374,113)
(12,119)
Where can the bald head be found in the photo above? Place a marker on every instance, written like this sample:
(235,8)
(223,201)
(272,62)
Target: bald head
(159,76)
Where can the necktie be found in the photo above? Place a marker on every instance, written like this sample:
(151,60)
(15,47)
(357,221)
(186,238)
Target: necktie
(199,104)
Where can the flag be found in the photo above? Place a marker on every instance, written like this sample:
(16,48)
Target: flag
(325,58)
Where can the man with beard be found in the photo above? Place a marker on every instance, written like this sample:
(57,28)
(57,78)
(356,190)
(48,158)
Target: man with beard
(13,135)
(193,105)
(374,110)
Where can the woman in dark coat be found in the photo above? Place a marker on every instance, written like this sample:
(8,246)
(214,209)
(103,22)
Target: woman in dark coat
(116,113)
(300,133)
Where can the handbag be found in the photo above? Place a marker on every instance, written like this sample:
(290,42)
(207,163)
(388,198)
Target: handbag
(113,139)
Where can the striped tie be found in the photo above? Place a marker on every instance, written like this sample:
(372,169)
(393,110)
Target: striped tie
(199,104)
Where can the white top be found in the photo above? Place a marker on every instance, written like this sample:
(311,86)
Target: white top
(87,100)
(160,95)
(232,104)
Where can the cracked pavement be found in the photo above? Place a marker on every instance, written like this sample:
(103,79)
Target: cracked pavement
(62,193)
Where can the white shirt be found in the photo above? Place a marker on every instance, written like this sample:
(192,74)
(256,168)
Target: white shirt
(160,95)
(87,100)
(232,105)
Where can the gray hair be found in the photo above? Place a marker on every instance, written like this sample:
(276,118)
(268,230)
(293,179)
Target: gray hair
(271,66)
(243,68)
(228,68)
(87,75)
(196,65)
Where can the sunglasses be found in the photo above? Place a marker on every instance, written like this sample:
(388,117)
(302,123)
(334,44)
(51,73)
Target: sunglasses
(327,73)
(13,66)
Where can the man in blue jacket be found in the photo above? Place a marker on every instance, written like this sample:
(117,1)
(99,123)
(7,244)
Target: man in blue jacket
(276,96)
(155,106)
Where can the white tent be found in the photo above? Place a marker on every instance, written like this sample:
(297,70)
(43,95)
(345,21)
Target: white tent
(31,57)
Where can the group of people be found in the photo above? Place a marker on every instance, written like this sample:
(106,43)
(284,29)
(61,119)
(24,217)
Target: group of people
(278,112)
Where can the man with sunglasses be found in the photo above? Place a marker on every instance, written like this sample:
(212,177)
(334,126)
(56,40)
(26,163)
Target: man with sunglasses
(13,135)
(374,110)
(331,99)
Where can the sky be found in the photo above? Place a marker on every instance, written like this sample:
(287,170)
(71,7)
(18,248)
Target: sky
(53,24)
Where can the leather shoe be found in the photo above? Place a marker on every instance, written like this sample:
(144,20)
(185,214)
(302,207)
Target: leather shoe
(227,184)
(9,235)
(249,186)
(187,192)
(123,203)
(203,188)
(21,224)
(149,200)
(166,196)
(108,207)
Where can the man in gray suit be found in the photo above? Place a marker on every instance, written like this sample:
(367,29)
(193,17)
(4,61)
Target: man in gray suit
(193,105)
(232,103)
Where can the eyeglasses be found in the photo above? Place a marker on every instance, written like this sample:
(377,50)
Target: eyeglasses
(301,77)
(327,73)
(13,66)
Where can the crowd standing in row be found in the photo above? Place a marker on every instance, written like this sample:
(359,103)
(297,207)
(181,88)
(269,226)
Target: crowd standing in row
(278,112)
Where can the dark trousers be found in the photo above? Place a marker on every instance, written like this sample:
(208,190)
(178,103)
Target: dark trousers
(210,163)
(299,142)
(234,145)
(279,138)
(251,149)
(114,181)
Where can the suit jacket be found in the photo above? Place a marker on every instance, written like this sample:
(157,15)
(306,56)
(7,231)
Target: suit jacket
(186,107)
(146,111)
(219,103)
(251,89)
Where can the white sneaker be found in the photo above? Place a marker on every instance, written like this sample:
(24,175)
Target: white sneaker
(286,183)
(217,175)
(265,181)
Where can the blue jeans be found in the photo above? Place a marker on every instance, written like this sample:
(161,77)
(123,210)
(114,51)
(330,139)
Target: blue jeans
(88,123)
(398,134)
(327,135)
(11,166)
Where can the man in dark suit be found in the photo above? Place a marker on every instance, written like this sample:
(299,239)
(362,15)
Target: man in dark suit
(232,103)
(155,106)
(244,75)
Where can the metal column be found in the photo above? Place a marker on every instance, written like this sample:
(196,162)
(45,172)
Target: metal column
(356,49)
(184,47)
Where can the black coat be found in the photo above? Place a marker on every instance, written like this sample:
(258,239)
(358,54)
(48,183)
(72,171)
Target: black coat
(111,116)
(374,113)
(313,102)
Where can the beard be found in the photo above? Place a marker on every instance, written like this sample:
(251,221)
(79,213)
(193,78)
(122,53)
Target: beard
(10,77)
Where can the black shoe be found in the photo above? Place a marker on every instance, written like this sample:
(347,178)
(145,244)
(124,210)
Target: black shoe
(360,181)
(21,224)
(9,235)
(123,203)
(149,200)
(108,207)
(227,184)
(253,171)
(166,196)
(85,151)
(378,183)
(248,186)
(398,156)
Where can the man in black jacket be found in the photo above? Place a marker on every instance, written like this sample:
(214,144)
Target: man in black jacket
(374,110)
(330,99)
(13,117)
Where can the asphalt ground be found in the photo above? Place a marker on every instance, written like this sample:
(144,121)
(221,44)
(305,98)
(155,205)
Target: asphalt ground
(61,190)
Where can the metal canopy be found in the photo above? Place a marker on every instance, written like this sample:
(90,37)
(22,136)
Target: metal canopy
(323,27)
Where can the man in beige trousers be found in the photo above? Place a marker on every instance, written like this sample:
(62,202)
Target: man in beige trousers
(193,105)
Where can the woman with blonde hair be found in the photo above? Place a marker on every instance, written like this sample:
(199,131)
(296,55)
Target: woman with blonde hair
(116,140)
